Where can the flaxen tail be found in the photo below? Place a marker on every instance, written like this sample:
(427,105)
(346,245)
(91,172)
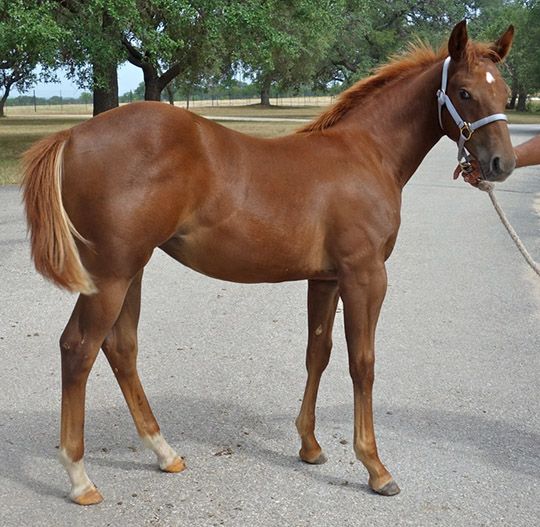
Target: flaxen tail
(52,234)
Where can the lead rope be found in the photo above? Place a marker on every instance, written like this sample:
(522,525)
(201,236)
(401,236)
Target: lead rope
(488,186)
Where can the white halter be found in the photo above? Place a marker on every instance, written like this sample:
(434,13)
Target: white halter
(465,129)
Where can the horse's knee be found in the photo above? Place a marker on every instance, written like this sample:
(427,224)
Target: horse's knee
(317,363)
(362,371)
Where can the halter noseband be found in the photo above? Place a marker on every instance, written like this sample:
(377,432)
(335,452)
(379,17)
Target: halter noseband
(465,129)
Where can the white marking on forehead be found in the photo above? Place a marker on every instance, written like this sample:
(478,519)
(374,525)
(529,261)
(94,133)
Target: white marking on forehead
(489,77)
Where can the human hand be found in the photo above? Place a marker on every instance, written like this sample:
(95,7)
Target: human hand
(472,176)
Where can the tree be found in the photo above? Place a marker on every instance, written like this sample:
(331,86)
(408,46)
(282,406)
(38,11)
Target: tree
(372,30)
(521,69)
(281,42)
(92,46)
(167,38)
(28,36)
(85,98)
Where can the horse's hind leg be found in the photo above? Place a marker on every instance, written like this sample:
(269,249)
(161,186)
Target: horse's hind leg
(88,326)
(120,347)
(322,303)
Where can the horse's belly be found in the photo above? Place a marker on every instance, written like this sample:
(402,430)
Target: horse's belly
(249,261)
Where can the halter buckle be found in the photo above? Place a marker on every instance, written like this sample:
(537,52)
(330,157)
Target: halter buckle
(466,167)
(466,131)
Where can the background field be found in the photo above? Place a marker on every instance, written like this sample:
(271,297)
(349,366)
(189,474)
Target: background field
(23,127)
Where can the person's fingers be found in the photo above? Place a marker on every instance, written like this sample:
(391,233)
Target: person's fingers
(472,178)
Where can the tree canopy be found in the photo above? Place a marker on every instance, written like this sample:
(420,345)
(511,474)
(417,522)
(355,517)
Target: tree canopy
(29,36)
(174,37)
(187,44)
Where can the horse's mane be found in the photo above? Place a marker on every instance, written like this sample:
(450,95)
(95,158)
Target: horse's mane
(417,56)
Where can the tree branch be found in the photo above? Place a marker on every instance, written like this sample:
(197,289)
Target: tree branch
(170,74)
(345,62)
(135,57)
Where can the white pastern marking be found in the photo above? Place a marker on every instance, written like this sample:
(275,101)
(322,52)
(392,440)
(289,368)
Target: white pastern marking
(489,77)
(165,454)
(80,482)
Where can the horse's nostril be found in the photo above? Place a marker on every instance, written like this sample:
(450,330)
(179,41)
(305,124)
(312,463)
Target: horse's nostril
(495,165)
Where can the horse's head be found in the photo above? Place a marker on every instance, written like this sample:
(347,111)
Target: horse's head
(478,95)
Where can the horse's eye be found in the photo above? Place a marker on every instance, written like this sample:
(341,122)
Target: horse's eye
(464,95)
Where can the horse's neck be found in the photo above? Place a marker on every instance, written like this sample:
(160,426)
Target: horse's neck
(404,120)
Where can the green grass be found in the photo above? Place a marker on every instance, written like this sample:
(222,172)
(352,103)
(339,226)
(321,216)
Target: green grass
(17,135)
(523,117)
(19,132)
(48,110)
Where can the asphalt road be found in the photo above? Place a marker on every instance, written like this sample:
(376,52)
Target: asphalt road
(457,398)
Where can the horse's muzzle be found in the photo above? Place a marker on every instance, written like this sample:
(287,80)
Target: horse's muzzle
(498,168)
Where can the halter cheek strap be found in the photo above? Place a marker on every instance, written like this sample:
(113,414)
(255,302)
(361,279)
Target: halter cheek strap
(465,129)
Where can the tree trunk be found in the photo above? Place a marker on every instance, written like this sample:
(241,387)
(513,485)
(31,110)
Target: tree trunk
(3,101)
(152,85)
(522,102)
(265,97)
(512,104)
(105,88)
(170,94)
(105,76)
(152,91)
(265,90)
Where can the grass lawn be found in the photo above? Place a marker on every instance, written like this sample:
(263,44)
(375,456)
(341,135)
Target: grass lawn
(19,132)
(17,135)
(523,117)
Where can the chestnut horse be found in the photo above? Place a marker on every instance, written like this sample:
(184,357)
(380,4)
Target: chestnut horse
(322,204)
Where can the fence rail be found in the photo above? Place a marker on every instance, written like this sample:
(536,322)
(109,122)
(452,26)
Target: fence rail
(86,108)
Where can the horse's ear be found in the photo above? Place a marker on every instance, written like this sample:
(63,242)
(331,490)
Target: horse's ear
(503,45)
(458,41)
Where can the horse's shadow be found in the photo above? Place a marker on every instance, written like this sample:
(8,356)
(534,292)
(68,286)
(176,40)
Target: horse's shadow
(32,436)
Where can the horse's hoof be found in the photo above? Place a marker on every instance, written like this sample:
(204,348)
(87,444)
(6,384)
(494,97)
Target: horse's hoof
(91,496)
(319,460)
(390,489)
(176,466)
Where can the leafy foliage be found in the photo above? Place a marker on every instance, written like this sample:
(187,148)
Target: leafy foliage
(375,29)
(283,41)
(168,38)
(521,69)
(92,36)
(28,36)
(183,45)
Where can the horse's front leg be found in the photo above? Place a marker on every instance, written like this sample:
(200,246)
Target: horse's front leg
(362,293)
(323,297)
